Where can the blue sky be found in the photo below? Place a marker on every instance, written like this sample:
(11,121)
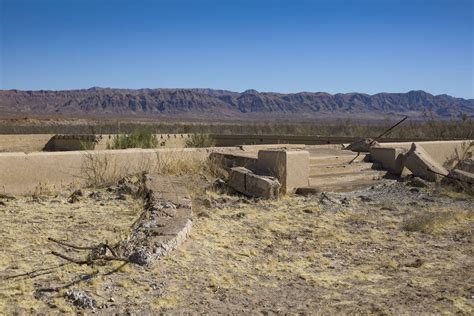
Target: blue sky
(285,46)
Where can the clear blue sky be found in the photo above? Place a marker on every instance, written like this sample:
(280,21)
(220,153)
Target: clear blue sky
(285,46)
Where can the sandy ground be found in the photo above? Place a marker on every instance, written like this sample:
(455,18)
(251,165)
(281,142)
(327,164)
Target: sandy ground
(388,250)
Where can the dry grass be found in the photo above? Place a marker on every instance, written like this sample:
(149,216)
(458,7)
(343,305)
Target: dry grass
(99,170)
(179,163)
(280,256)
(102,170)
(433,221)
(28,222)
(291,253)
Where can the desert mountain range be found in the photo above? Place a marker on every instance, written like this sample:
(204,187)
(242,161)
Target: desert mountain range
(222,104)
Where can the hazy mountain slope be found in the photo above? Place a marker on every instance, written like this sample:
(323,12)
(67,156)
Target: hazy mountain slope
(215,104)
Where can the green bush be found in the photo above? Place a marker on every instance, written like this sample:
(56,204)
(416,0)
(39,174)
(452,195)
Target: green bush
(141,138)
(200,140)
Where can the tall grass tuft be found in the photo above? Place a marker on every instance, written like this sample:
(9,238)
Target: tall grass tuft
(200,141)
(141,138)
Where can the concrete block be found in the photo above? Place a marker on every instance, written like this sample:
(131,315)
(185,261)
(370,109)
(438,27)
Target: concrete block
(245,181)
(419,162)
(391,158)
(291,167)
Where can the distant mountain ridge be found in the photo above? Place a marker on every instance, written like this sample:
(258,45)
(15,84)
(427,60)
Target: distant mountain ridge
(223,104)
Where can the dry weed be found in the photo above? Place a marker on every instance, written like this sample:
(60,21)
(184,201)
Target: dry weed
(430,222)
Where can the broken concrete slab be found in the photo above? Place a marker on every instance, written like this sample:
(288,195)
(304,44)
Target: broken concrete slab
(391,158)
(290,167)
(246,182)
(165,223)
(442,152)
(420,163)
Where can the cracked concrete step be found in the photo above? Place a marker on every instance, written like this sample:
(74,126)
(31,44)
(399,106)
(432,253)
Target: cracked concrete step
(347,186)
(335,160)
(343,178)
(340,168)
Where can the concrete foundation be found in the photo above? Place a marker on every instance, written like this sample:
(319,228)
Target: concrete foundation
(291,167)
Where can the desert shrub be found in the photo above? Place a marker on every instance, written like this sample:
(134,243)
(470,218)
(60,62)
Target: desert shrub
(141,138)
(98,171)
(178,163)
(200,140)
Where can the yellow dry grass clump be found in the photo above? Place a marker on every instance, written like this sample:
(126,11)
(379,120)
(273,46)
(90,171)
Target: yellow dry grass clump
(433,221)
(101,170)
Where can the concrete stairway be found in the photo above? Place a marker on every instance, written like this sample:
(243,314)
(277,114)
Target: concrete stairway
(335,173)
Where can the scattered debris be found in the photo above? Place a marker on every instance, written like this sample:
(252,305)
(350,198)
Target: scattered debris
(132,185)
(219,185)
(417,182)
(81,299)
(328,200)
(74,197)
(414,264)
(95,195)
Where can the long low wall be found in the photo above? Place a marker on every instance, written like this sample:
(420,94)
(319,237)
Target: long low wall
(22,173)
(24,143)
(237,140)
(37,142)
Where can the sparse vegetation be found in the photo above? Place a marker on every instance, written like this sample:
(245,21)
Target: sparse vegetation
(99,170)
(140,138)
(429,127)
(200,141)
(102,170)
(292,254)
